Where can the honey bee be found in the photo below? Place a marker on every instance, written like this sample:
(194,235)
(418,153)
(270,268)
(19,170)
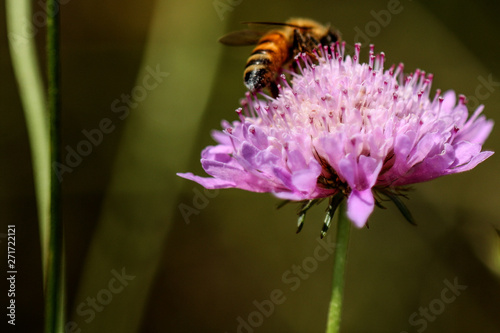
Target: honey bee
(277,47)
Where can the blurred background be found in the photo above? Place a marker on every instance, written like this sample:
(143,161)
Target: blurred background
(148,251)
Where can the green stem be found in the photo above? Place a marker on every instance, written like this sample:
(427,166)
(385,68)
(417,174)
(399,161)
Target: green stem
(32,93)
(335,311)
(54,306)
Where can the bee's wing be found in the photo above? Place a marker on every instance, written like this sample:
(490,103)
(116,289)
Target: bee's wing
(271,24)
(241,37)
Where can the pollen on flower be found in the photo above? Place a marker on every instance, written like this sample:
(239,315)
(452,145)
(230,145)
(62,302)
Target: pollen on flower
(345,128)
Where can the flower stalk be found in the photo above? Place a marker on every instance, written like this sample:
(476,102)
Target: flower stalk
(33,98)
(335,311)
(54,293)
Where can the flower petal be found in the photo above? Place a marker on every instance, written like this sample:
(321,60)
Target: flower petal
(464,152)
(209,183)
(306,180)
(473,162)
(360,205)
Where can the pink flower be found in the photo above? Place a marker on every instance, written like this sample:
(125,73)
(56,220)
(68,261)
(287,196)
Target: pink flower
(342,128)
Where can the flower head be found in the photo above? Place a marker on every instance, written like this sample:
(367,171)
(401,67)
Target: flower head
(345,128)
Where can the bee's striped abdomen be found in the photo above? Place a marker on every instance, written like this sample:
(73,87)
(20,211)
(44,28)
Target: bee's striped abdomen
(266,60)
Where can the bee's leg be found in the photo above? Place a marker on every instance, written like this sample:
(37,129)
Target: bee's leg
(311,43)
(273,89)
(304,44)
(299,42)
(297,47)
(274,84)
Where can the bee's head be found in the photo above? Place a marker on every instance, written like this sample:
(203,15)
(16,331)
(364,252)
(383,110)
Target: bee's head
(331,37)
